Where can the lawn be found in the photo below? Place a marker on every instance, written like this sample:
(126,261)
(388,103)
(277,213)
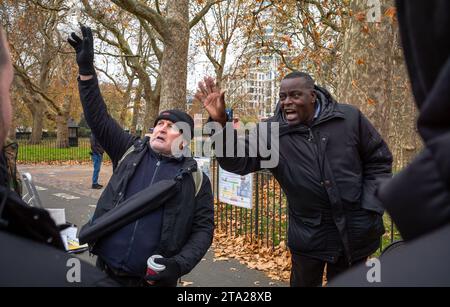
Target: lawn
(48,152)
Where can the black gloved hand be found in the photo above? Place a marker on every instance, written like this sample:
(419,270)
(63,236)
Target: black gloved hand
(84,49)
(169,276)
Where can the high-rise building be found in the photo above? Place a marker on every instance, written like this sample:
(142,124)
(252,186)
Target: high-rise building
(255,92)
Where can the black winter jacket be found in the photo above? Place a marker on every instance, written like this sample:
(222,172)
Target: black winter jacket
(188,221)
(329,172)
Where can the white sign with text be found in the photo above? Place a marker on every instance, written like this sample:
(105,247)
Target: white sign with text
(235,189)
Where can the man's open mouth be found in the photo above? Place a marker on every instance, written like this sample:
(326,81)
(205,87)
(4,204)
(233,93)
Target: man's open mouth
(290,114)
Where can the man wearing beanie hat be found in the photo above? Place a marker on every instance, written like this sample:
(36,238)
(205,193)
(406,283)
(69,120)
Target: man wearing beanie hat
(180,230)
(172,143)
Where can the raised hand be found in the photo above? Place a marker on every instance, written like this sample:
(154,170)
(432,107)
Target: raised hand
(213,99)
(84,49)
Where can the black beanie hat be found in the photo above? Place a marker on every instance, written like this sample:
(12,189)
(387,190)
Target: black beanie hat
(177,116)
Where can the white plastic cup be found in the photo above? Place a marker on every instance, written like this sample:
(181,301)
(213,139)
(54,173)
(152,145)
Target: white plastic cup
(154,268)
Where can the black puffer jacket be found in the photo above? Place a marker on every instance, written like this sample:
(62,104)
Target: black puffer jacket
(188,220)
(329,172)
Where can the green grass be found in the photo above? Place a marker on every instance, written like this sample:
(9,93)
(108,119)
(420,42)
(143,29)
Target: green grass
(37,153)
(48,152)
(387,237)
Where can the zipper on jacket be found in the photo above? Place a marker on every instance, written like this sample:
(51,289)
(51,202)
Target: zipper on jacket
(132,240)
(310,136)
(118,200)
(156,170)
(158,163)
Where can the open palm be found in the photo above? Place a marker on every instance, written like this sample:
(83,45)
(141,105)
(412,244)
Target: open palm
(212,98)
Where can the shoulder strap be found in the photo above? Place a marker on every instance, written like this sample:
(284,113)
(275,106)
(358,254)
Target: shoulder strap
(198,180)
(137,143)
(129,150)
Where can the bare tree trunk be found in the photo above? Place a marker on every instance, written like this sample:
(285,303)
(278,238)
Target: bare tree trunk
(174,63)
(126,101)
(62,130)
(152,105)
(373,78)
(136,108)
(151,113)
(37,113)
(12,130)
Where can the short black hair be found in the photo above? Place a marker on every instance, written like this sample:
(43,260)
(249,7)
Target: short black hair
(300,74)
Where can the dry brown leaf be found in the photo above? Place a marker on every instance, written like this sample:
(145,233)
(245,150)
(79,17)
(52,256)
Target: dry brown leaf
(365,29)
(370,101)
(391,12)
(186,283)
(361,16)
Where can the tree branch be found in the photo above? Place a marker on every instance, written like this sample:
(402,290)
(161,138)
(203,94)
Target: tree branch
(110,78)
(141,10)
(202,13)
(34,89)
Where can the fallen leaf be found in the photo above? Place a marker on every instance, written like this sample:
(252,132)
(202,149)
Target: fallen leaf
(370,101)
(186,283)
(361,16)
(365,29)
(391,12)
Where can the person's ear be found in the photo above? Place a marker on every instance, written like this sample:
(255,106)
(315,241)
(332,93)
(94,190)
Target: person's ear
(314,96)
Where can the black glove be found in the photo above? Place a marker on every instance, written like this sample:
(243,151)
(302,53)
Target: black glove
(169,276)
(84,49)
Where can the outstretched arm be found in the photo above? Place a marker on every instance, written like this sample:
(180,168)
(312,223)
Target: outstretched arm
(109,134)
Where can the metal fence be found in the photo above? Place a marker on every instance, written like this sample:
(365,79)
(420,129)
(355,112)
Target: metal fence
(47,151)
(267,221)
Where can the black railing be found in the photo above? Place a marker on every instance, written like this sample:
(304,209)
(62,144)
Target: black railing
(266,222)
(48,151)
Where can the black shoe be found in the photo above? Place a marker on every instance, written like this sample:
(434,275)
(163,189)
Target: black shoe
(97,186)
